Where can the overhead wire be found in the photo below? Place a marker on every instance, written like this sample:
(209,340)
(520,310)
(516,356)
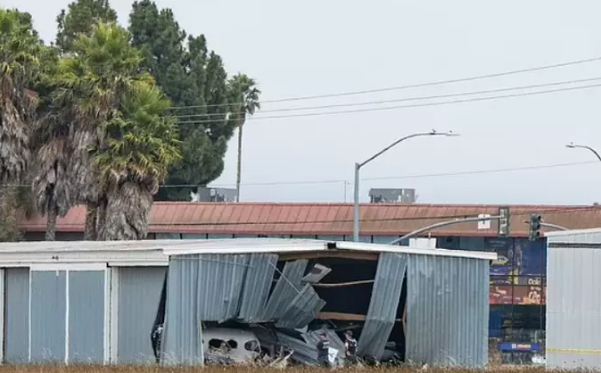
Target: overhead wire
(408,86)
(399,177)
(539,210)
(416,176)
(398,107)
(405,99)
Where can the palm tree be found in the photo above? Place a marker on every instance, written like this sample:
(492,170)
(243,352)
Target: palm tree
(140,146)
(19,68)
(245,100)
(90,85)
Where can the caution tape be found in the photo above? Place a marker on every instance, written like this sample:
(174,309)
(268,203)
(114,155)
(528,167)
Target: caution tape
(573,350)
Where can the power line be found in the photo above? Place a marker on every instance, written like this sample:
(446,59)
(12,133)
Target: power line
(477,99)
(542,210)
(416,176)
(418,98)
(410,86)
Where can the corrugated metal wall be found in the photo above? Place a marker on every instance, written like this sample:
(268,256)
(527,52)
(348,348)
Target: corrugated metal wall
(383,305)
(138,301)
(48,310)
(182,326)
(86,316)
(447,310)
(573,307)
(16,315)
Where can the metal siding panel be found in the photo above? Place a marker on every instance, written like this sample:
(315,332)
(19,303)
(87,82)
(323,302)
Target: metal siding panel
(573,315)
(447,311)
(86,316)
(302,310)
(48,316)
(383,305)
(259,278)
(16,311)
(138,301)
(219,284)
(285,290)
(182,326)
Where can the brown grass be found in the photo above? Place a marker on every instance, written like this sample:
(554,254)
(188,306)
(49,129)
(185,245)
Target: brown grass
(249,369)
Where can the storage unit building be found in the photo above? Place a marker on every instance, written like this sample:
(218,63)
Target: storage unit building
(69,302)
(96,302)
(573,305)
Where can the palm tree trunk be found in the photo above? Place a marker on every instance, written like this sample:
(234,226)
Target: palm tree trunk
(102,204)
(51,220)
(9,225)
(239,165)
(90,232)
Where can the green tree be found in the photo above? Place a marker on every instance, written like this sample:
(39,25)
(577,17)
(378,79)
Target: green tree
(20,68)
(52,150)
(90,85)
(194,79)
(81,16)
(245,101)
(141,144)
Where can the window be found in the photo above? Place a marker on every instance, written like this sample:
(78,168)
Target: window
(252,346)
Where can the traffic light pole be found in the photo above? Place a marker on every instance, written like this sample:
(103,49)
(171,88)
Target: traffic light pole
(442,224)
(463,220)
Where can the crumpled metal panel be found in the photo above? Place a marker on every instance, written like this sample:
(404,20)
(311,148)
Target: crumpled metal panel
(285,290)
(182,333)
(259,278)
(220,281)
(447,311)
(383,305)
(302,309)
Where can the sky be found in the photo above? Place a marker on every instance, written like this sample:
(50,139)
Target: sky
(322,47)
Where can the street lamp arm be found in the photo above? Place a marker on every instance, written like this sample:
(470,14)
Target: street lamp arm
(592,150)
(442,224)
(359,165)
(463,220)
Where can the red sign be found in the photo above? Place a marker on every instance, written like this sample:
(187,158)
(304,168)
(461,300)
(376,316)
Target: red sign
(517,294)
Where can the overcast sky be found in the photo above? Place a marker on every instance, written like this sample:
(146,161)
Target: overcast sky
(319,47)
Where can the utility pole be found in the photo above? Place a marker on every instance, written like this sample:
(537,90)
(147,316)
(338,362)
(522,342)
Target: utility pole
(239,164)
(359,165)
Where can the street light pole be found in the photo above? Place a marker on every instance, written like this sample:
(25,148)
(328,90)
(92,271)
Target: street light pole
(359,165)
(575,146)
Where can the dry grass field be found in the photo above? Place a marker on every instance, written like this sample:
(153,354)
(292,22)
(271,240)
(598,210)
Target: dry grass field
(247,369)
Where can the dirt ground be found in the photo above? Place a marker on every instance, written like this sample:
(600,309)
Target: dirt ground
(154,369)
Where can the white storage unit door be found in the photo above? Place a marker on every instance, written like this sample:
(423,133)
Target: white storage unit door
(139,292)
(67,315)
(16,309)
(86,316)
(47,316)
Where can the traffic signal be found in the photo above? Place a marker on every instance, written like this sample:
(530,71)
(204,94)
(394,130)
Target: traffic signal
(504,228)
(535,224)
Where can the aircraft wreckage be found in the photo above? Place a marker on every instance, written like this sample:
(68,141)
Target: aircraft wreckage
(237,301)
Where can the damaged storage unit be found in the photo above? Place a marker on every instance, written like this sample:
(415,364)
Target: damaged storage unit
(573,313)
(417,305)
(79,302)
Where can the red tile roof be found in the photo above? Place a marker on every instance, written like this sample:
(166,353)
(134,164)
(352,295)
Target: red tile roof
(330,219)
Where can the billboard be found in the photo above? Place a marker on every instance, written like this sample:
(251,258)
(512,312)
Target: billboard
(520,261)
(517,294)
